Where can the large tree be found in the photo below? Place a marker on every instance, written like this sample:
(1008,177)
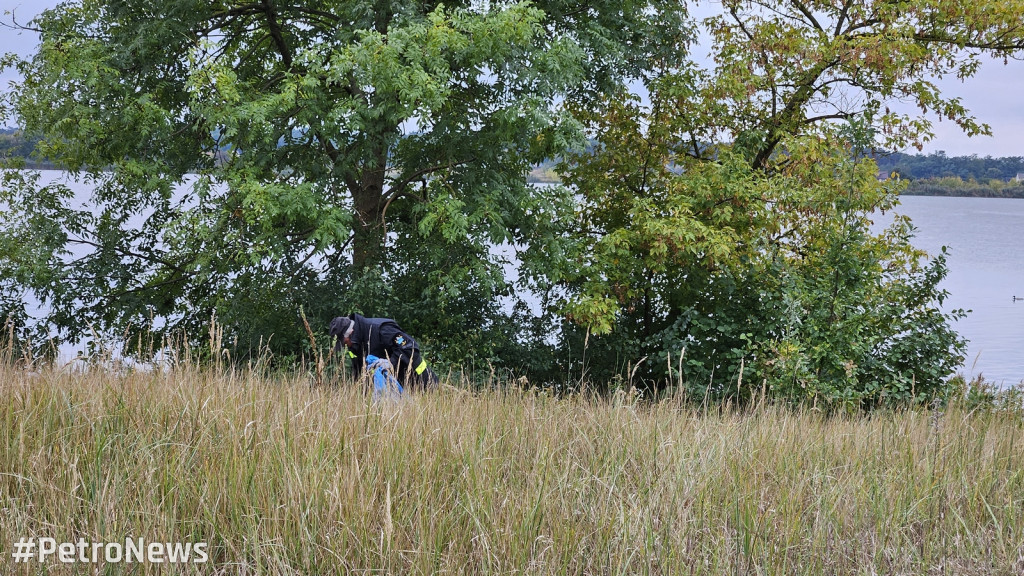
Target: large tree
(728,213)
(249,157)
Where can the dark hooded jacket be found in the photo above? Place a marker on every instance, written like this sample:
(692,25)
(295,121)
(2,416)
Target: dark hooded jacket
(384,338)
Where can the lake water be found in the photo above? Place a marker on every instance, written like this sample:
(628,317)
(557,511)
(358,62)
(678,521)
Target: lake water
(986,271)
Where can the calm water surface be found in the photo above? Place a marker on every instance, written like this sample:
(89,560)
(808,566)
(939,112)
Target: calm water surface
(986,271)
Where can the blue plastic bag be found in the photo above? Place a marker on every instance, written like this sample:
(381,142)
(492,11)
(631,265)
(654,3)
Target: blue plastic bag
(385,385)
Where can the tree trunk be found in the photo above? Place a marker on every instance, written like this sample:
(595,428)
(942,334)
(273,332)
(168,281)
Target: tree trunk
(368,231)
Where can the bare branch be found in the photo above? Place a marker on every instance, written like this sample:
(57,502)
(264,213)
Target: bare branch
(835,116)
(807,13)
(842,17)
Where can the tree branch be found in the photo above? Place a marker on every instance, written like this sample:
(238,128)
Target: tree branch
(276,33)
(146,287)
(810,16)
(933,38)
(399,188)
(124,252)
(842,17)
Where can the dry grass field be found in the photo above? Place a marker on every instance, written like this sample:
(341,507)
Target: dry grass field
(280,478)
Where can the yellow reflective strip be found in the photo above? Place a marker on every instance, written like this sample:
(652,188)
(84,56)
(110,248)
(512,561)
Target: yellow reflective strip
(421,367)
(351,354)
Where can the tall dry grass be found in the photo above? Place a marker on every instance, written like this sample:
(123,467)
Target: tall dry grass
(282,478)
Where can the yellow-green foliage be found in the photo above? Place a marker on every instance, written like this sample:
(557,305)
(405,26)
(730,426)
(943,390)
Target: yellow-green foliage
(281,478)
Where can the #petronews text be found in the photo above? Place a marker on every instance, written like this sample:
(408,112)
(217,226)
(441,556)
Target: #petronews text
(132,550)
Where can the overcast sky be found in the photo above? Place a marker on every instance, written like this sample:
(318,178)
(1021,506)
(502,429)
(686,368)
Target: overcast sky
(995,95)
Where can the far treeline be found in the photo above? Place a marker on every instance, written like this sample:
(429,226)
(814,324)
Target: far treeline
(927,175)
(15,144)
(932,174)
(259,164)
(939,175)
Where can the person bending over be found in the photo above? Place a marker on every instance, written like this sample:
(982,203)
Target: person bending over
(384,338)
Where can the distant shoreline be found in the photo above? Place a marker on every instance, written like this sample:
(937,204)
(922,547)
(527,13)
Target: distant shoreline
(959,188)
(938,187)
(965,195)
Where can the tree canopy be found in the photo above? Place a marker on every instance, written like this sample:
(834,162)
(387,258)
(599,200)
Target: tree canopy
(727,218)
(273,146)
(252,158)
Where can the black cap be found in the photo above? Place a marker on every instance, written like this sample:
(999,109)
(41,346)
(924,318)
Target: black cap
(339,326)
